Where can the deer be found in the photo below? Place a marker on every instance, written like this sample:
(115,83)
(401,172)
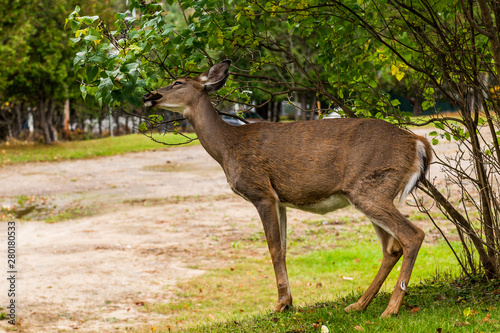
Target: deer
(317,166)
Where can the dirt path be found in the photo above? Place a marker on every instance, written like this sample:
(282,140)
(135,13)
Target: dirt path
(94,273)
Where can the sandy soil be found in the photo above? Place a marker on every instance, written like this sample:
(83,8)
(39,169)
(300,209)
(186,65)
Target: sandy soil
(93,274)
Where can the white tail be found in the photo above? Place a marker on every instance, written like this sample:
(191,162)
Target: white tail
(422,165)
(318,166)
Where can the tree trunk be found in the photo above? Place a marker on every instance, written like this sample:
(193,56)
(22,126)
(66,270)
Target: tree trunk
(43,121)
(50,116)
(275,112)
(19,119)
(303,106)
(66,120)
(313,107)
(296,102)
(99,124)
(117,122)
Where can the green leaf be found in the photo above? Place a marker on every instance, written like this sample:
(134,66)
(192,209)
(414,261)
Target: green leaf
(83,89)
(105,86)
(88,19)
(439,125)
(395,102)
(92,73)
(435,141)
(143,127)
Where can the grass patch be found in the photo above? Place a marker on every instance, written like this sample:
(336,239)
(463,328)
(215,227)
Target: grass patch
(428,307)
(248,288)
(13,153)
(27,207)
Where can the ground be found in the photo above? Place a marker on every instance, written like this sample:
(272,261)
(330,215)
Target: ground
(153,219)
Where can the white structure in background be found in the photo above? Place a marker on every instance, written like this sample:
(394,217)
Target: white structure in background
(31,125)
(92,125)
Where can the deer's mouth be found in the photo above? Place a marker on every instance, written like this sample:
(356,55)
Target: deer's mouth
(151,99)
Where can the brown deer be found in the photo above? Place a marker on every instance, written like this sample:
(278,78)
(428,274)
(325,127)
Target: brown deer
(317,166)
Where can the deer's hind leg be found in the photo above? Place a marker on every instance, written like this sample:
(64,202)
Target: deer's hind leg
(409,237)
(392,251)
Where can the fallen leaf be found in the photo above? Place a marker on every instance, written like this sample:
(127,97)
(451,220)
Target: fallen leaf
(346,278)
(359,328)
(211,316)
(461,323)
(439,330)
(356,260)
(415,309)
(315,326)
(487,318)
(496,292)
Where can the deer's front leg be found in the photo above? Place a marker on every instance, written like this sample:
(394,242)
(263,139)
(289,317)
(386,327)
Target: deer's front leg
(269,212)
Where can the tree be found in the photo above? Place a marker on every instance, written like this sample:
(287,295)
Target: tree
(37,61)
(344,53)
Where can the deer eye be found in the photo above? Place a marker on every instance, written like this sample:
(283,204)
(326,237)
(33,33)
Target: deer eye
(177,83)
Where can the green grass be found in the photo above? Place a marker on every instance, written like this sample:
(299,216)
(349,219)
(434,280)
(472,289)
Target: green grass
(431,307)
(247,288)
(20,152)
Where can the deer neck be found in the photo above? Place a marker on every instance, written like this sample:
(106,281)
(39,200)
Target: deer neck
(211,130)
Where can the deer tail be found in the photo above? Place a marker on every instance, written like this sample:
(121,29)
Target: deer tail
(422,163)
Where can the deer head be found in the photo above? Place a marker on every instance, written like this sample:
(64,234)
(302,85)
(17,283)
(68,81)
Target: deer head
(183,92)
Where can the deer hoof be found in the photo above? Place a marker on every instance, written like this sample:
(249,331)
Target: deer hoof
(283,304)
(353,307)
(388,313)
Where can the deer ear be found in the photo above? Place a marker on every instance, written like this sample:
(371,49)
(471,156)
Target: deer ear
(216,76)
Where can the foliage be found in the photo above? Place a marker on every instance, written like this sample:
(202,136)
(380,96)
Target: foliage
(344,54)
(37,57)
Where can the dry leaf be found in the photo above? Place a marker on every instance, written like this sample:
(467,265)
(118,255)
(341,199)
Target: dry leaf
(439,330)
(211,316)
(487,318)
(346,278)
(315,326)
(359,328)
(415,309)
(461,323)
